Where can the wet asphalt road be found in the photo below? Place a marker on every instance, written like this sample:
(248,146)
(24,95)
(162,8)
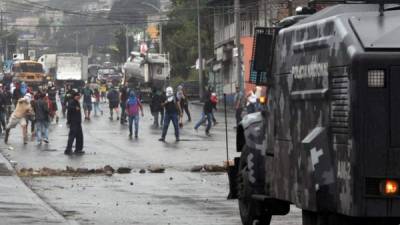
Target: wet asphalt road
(174,197)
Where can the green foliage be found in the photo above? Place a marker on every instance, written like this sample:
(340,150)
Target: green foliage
(192,76)
(119,47)
(65,38)
(180,36)
(10,37)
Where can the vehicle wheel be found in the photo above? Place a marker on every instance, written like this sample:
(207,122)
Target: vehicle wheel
(250,210)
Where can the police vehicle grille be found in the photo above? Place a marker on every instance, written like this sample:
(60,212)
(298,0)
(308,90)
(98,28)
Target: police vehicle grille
(340,108)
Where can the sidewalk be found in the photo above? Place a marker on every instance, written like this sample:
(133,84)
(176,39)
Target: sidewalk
(19,205)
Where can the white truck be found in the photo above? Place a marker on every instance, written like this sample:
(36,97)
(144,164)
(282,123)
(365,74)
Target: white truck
(147,72)
(71,68)
(49,63)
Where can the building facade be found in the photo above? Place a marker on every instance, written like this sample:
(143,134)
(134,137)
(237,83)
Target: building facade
(253,13)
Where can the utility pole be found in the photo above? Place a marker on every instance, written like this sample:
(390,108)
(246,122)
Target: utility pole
(6,50)
(1,21)
(126,43)
(238,46)
(290,7)
(201,88)
(1,31)
(27,51)
(161,37)
(76,42)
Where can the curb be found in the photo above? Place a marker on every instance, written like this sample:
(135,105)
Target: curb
(21,205)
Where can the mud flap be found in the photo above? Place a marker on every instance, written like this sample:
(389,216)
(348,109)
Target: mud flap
(233,176)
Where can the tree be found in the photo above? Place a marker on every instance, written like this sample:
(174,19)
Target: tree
(180,36)
(119,48)
(91,37)
(9,39)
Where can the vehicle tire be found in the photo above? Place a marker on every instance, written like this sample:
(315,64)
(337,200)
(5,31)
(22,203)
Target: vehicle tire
(250,210)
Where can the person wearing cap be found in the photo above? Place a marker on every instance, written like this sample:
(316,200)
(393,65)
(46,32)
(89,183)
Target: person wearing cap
(74,121)
(22,110)
(172,111)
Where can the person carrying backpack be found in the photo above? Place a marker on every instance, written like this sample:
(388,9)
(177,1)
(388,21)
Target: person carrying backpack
(132,110)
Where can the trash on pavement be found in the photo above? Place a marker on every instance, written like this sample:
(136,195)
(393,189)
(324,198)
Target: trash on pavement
(209,168)
(156,169)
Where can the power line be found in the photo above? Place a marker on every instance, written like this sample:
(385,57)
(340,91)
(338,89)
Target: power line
(119,12)
(86,25)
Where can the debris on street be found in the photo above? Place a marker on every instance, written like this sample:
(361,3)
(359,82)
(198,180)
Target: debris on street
(124,170)
(109,169)
(68,171)
(208,168)
(156,169)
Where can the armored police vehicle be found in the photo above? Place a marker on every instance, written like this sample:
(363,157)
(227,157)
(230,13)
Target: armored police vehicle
(328,140)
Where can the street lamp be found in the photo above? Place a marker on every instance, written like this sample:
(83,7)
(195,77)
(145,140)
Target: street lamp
(160,24)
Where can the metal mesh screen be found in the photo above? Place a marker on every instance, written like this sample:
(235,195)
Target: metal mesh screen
(376,78)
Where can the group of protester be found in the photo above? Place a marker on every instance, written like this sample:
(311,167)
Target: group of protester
(172,106)
(20,105)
